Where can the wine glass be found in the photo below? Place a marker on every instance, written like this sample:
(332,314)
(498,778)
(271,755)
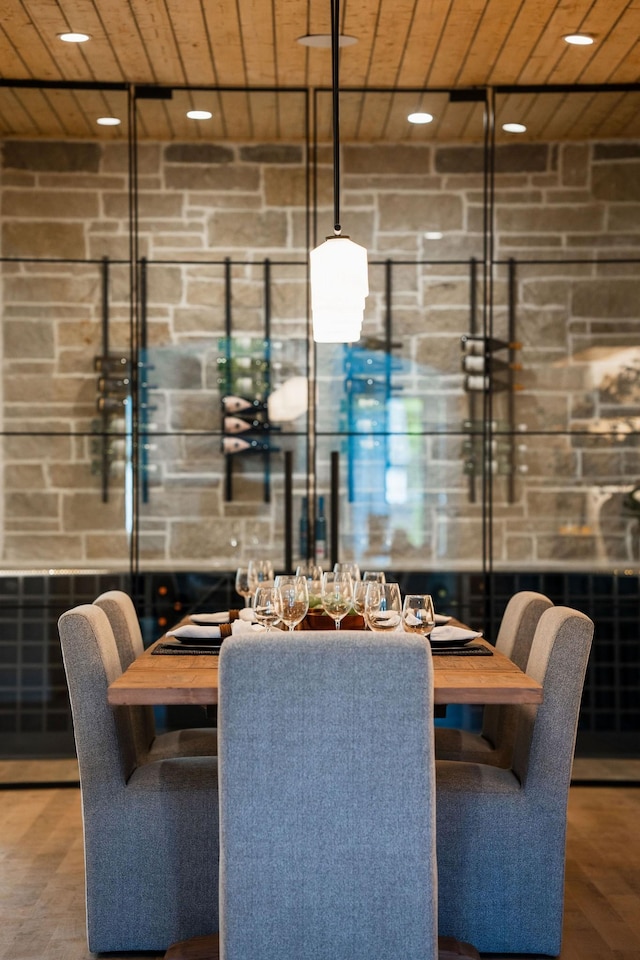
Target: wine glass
(337,595)
(374,576)
(292,599)
(264,604)
(245,584)
(359,595)
(261,570)
(418,615)
(348,567)
(313,573)
(383,606)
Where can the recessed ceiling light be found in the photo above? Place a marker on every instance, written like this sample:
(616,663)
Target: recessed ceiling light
(433,235)
(74,37)
(514,127)
(579,39)
(419,118)
(108,121)
(199,114)
(324,40)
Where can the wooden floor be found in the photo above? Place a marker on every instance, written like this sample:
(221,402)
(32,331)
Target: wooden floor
(42,894)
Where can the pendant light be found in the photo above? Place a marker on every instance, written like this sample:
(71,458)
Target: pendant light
(339,277)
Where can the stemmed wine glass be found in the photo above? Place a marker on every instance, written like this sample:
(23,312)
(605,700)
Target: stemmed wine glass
(337,595)
(261,570)
(245,584)
(359,595)
(313,573)
(418,615)
(265,605)
(383,606)
(292,599)
(375,576)
(348,567)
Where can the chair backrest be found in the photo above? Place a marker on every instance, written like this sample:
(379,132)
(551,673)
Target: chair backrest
(515,636)
(123,618)
(326,772)
(104,745)
(545,742)
(518,625)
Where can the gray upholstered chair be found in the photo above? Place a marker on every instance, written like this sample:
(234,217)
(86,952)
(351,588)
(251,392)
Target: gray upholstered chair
(188,742)
(494,744)
(150,830)
(501,832)
(326,797)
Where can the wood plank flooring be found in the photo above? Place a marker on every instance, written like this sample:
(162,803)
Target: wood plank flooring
(42,890)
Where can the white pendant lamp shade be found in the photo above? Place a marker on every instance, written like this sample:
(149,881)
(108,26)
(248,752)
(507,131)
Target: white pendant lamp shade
(339,287)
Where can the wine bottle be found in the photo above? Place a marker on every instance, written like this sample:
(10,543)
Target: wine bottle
(481,382)
(110,384)
(321,532)
(480,345)
(479,363)
(240,425)
(112,365)
(303,528)
(240,404)
(232,445)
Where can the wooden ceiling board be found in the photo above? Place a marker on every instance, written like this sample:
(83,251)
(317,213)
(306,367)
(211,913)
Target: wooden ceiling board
(619,60)
(429,19)
(392,29)
(156,31)
(49,21)
(457,39)
(154,120)
(492,32)
(224,39)
(102,59)
(551,55)
(23,35)
(290,56)
(257,29)
(26,113)
(189,29)
(12,63)
(461,122)
(46,113)
(121,35)
(615,24)
(528,26)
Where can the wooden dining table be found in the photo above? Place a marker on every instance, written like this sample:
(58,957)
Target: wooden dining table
(193,679)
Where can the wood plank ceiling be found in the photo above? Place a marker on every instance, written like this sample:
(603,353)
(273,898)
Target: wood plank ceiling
(408,55)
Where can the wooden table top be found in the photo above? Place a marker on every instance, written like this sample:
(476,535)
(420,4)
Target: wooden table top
(189,679)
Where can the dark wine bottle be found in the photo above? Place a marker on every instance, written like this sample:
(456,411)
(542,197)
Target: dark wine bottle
(240,404)
(240,425)
(231,445)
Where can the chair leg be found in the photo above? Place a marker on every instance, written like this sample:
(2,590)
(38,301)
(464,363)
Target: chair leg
(451,949)
(195,948)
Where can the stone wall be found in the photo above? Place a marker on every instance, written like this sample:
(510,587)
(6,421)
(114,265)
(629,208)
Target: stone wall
(567,213)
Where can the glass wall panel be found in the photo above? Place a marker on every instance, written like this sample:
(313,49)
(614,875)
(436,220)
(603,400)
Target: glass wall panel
(223,225)
(568,251)
(65,305)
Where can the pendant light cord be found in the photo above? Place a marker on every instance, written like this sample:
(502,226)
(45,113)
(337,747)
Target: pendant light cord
(335,59)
